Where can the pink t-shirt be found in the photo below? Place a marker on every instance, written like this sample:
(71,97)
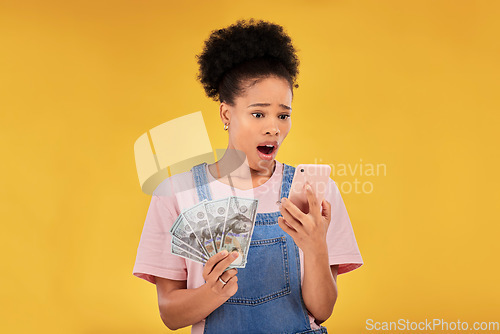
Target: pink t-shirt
(178,192)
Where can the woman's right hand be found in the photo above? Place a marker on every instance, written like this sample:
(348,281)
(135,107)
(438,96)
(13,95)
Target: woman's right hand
(214,269)
(181,307)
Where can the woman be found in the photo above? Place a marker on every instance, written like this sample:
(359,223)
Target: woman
(289,281)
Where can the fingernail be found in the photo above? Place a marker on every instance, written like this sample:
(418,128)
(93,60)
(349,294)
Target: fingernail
(308,187)
(283,200)
(224,252)
(235,254)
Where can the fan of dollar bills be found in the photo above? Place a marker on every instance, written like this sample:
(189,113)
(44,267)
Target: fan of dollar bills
(212,226)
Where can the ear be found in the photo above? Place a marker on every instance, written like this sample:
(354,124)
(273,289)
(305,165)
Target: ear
(225,113)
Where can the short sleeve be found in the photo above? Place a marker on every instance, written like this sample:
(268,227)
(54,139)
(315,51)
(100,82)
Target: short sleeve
(342,246)
(154,257)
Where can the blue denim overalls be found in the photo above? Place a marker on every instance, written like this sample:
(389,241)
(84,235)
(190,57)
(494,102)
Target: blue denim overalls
(269,296)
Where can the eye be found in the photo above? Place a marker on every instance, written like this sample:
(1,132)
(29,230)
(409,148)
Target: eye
(284,116)
(257,115)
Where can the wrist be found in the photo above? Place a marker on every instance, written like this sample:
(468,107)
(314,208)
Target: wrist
(317,254)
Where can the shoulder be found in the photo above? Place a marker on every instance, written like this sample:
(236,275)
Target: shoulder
(175,184)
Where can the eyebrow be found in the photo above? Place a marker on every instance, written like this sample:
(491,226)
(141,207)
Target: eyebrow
(268,104)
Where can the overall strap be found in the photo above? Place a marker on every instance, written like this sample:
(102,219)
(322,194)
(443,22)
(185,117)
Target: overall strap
(201,182)
(288,172)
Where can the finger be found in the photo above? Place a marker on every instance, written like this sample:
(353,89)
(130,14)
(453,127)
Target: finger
(312,199)
(290,231)
(209,265)
(292,209)
(326,212)
(222,265)
(228,274)
(290,220)
(231,283)
(221,281)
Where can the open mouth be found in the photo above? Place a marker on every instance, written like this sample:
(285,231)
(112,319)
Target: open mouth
(266,149)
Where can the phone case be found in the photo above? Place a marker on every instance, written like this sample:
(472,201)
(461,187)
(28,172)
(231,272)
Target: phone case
(317,176)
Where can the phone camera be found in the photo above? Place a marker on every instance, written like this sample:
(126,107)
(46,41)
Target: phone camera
(302,170)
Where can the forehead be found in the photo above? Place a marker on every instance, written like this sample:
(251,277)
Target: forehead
(271,90)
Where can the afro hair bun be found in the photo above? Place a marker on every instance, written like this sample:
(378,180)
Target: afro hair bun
(241,43)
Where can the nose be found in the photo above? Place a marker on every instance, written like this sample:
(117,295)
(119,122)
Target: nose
(273,128)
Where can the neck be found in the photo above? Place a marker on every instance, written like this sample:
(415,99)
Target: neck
(235,164)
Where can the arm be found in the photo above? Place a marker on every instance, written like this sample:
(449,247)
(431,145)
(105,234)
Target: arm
(319,289)
(181,307)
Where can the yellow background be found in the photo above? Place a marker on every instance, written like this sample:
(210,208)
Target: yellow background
(409,84)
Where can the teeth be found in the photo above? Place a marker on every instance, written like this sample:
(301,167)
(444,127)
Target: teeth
(269,145)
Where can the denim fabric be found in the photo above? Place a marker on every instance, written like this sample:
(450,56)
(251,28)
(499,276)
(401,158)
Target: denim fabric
(201,182)
(269,296)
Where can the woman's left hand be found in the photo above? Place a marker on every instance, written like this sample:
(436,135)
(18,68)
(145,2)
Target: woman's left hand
(307,230)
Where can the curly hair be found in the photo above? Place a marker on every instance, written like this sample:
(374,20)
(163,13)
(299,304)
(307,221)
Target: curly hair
(245,50)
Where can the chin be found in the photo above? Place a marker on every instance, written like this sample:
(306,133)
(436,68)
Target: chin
(260,164)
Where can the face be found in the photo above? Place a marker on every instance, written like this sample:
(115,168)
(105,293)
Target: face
(259,121)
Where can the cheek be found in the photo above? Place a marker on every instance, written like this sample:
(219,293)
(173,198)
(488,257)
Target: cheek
(285,128)
(248,128)
(243,134)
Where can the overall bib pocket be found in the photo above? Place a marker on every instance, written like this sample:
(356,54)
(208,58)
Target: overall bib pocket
(267,267)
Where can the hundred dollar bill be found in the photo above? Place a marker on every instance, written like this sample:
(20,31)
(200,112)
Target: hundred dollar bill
(182,245)
(185,254)
(197,218)
(239,227)
(183,231)
(174,225)
(217,211)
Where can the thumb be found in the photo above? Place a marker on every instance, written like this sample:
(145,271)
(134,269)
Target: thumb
(326,210)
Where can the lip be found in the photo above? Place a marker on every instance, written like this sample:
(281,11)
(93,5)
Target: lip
(268,156)
(268,142)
